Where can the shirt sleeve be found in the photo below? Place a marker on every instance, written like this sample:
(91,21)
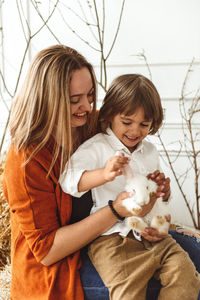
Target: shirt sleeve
(85,158)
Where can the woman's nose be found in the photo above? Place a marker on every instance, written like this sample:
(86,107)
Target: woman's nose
(86,104)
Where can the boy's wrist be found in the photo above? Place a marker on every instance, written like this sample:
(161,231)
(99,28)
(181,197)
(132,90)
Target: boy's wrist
(104,175)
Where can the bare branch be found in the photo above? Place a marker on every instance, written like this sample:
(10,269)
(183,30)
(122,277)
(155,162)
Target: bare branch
(100,34)
(4,133)
(20,17)
(4,84)
(45,22)
(177,181)
(90,25)
(144,58)
(75,32)
(186,79)
(117,30)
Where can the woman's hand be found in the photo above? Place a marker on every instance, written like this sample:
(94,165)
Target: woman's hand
(123,212)
(152,235)
(163,184)
(119,207)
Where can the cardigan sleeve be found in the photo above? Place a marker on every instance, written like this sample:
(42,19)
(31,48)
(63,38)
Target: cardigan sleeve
(32,199)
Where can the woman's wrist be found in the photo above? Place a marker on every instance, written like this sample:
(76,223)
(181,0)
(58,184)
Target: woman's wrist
(115,213)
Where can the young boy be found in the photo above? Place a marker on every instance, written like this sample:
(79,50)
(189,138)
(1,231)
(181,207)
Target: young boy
(131,110)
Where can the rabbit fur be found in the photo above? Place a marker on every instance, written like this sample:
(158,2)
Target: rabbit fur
(142,189)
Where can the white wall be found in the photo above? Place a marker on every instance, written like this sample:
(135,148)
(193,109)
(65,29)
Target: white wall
(167,30)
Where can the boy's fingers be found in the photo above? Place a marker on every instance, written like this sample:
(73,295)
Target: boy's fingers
(153,175)
(117,173)
(124,195)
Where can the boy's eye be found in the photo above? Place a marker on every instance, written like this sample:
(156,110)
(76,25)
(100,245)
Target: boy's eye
(126,123)
(145,125)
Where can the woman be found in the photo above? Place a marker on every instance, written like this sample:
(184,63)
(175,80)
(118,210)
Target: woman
(49,119)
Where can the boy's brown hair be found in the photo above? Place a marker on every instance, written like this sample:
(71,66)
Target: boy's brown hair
(125,95)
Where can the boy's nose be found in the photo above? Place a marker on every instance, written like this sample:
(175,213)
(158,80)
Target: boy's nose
(135,129)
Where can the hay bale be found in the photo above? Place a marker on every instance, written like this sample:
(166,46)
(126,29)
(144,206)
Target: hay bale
(5,233)
(5,278)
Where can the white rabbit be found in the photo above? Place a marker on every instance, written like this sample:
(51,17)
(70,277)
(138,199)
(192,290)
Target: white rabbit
(142,189)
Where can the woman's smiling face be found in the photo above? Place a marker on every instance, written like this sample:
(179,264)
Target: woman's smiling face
(131,130)
(81,96)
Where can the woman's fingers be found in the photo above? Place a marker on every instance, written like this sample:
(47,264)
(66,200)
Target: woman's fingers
(152,235)
(119,207)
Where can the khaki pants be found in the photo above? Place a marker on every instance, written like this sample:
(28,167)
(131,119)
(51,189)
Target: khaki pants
(126,265)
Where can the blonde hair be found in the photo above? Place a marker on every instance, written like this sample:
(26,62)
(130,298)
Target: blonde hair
(42,107)
(127,93)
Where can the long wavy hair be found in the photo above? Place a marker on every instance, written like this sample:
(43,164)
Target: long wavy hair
(42,106)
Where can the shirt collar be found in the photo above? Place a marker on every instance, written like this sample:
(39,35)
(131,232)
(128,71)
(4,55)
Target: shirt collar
(117,145)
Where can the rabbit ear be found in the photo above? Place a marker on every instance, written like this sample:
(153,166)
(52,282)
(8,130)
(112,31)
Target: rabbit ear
(118,153)
(128,172)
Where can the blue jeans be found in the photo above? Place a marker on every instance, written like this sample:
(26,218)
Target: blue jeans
(94,288)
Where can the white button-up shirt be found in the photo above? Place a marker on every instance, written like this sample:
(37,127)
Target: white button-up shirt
(93,154)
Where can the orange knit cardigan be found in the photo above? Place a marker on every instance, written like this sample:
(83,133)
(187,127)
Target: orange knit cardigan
(38,208)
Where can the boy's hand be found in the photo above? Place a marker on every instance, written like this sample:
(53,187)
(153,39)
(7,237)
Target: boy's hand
(163,184)
(114,166)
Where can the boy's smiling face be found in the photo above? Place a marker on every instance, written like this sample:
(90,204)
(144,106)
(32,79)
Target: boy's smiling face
(131,130)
